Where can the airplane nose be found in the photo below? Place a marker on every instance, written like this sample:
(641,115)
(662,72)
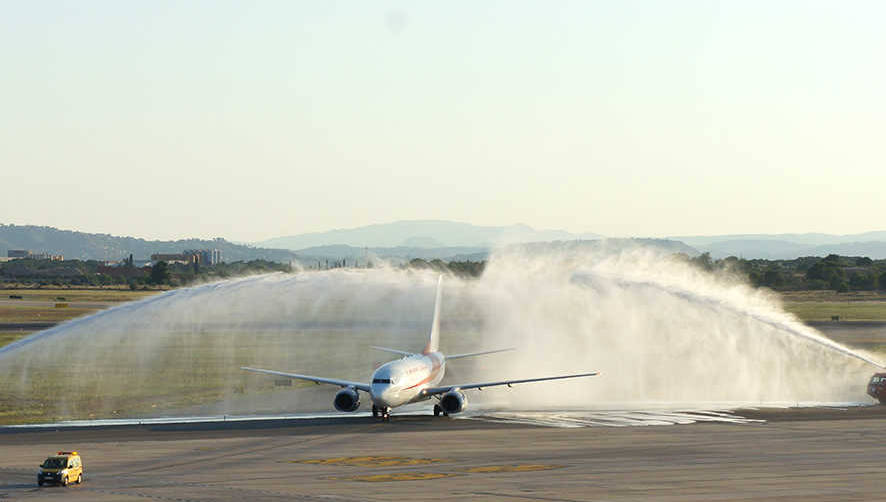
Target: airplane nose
(382,395)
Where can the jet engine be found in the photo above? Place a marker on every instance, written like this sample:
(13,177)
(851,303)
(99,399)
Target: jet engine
(453,402)
(347,400)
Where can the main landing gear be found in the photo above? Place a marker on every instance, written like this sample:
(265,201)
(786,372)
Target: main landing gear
(379,412)
(438,410)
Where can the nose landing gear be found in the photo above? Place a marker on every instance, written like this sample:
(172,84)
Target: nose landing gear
(381,412)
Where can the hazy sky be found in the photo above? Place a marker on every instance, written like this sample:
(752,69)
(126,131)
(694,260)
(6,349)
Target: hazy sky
(249,120)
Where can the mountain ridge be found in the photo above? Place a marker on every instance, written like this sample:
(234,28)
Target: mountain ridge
(418,239)
(421,233)
(780,247)
(809,238)
(91,246)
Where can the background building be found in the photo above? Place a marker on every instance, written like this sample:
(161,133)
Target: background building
(189,256)
(27,253)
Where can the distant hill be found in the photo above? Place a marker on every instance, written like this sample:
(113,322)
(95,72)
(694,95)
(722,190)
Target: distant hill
(86,246)
(788,246)
(401,254)
(809,239)
(448,241)
(422,234)
(756,248)
(875,250)
(611,245)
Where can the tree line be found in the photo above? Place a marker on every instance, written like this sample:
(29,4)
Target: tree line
(458,268)
(93,273)
(833,272)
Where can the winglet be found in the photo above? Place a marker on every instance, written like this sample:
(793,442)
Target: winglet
(434,338)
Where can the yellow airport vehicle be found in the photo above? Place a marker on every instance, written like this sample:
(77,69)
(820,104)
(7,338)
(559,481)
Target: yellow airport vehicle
(63,468)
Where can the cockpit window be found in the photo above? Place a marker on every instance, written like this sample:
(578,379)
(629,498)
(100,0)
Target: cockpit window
(381,380)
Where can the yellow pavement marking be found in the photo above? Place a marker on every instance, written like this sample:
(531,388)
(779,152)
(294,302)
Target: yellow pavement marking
(512,468)
(400,476)
(384,461)
(375,461)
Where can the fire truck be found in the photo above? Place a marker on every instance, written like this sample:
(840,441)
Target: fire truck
(877,387)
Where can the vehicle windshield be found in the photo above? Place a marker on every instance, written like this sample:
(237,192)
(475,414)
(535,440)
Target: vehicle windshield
(381,380)
(55,463)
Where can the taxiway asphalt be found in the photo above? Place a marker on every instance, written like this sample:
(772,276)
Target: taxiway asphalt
(796,454)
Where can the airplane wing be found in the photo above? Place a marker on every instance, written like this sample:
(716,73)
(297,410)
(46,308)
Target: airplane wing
(394,351)
(442,390)
(332,381)
(472,354)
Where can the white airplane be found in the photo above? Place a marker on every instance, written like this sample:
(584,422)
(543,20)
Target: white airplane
(411,379)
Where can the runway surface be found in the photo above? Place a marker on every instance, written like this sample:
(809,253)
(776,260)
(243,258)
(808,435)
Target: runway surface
(809,454)
(587,418)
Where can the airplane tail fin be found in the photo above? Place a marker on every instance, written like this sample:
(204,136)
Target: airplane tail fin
(434,338)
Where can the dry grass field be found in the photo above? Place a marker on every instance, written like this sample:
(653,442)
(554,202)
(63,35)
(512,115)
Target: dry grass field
(823,305)
(39,308)
(192,374)
(36,309)
(78,295)
(197,369)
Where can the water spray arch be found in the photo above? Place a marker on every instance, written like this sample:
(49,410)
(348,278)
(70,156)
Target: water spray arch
(659,330)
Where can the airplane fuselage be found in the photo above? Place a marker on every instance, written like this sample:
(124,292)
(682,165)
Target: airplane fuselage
(401,382)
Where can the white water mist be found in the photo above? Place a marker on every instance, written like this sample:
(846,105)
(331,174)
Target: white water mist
(659,330)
